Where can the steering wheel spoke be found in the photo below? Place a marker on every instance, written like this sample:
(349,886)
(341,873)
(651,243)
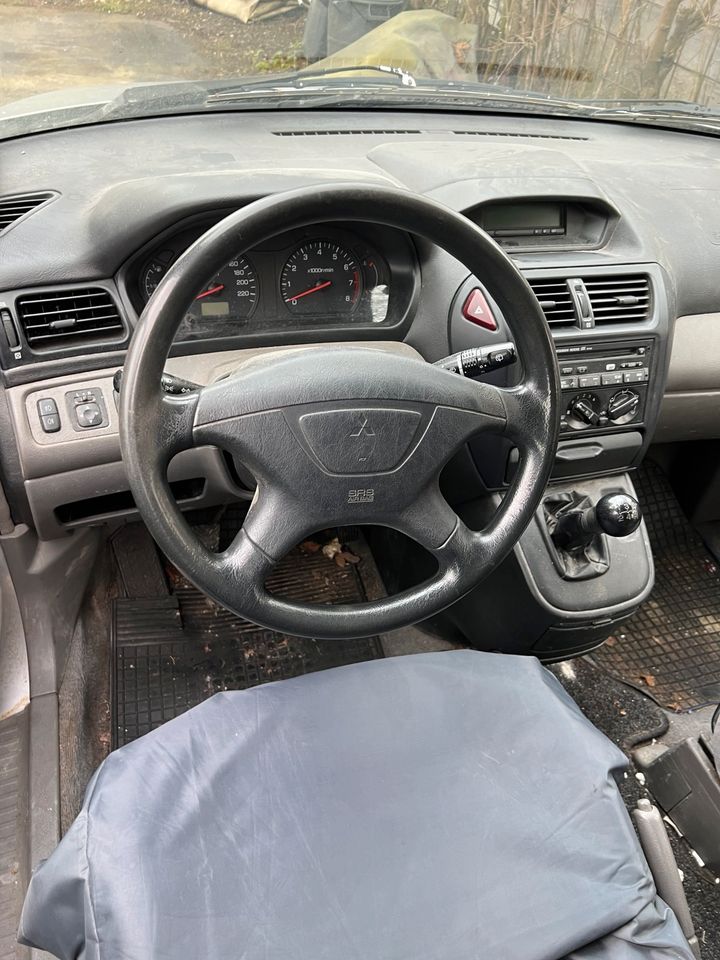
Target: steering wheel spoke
(176,416)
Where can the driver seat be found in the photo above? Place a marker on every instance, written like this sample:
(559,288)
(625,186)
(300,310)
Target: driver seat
(445,806)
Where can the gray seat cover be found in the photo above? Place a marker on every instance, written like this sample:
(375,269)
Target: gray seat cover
(450,806)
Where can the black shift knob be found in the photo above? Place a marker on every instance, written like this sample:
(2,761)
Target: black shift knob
(618,514)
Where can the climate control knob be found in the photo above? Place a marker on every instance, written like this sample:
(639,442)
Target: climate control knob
(584,410)
(623,406)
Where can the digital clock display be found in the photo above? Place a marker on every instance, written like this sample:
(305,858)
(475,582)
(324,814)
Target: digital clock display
(524,219)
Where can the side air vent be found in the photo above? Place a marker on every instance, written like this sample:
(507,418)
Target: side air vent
(20,205)
(555,300)
(344,133)
(619,299)
(522,136)
(69,317)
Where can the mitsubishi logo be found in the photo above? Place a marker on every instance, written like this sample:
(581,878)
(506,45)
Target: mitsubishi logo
(364,430)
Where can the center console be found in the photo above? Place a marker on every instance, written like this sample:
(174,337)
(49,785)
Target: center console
(604,385)
(572,576)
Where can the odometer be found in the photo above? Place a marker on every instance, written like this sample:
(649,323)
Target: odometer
(321,278)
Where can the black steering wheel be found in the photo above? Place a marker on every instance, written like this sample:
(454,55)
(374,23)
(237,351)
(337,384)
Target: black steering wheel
(338,436)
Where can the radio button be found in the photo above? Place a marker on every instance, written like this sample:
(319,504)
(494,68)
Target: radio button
(637,376)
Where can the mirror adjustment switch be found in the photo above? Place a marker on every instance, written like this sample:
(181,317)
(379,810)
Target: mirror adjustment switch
(88,415)
(86,408)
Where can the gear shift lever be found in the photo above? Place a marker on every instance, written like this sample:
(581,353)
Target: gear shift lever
(616,514)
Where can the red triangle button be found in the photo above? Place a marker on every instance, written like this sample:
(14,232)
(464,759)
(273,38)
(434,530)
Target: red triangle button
(477,310)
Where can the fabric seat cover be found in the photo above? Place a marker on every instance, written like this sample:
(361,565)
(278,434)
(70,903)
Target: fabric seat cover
(449,806)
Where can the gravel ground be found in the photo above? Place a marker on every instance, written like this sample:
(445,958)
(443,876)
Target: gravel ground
(216,45)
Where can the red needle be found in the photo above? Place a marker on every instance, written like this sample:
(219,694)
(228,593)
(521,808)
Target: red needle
(206,293)
(320,286)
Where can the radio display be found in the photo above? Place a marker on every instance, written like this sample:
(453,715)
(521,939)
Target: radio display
(524,219)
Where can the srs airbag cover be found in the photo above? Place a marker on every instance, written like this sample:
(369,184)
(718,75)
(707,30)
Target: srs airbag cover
(449,806)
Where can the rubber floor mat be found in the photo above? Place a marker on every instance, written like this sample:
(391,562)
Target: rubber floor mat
(11,841)
(172,653)
(670,649)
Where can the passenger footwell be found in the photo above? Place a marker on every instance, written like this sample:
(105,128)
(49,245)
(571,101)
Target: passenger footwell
(670,649)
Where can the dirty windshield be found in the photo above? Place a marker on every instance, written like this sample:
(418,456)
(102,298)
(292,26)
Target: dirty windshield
(73,61)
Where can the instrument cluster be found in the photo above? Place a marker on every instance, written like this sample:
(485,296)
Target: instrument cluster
(320,279)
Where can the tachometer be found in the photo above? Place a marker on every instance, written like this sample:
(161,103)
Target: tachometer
(321,278)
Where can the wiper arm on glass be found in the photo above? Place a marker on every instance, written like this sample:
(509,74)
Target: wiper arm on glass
(320,84)
(299,80)
(685,108)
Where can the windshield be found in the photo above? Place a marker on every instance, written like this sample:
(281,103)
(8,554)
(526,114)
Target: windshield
(67,61)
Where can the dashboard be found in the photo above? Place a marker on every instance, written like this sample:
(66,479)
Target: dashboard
(623,263)
(306,281)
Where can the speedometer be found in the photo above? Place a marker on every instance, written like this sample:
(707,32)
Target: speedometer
(321,278)
(232,293)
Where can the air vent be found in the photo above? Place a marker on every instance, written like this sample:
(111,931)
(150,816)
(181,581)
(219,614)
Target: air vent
(20,205)
(68,317)
(523,136)
(555,300)
(344,133)
(619,299)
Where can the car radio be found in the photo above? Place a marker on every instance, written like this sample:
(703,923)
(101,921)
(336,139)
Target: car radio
(604,385)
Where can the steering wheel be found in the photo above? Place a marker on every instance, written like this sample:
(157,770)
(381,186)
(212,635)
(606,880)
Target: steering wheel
(338,436)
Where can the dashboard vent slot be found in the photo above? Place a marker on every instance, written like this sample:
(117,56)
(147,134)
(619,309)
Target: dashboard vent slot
(67,317)
(344,133)
(555,300)
(619,299)
(522,136)
(20,205)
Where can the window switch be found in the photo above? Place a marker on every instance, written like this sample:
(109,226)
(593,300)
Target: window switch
(50,423)
(47,407)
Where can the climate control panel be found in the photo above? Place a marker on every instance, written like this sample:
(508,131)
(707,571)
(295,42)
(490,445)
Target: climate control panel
(604,385)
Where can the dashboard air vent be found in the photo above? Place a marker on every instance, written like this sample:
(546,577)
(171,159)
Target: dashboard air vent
(20,205)
(619,299)
(522,136)
(556,301)
(344,133)
(68,317)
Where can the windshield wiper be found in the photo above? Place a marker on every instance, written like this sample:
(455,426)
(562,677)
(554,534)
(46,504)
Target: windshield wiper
(655,106)
(299,80)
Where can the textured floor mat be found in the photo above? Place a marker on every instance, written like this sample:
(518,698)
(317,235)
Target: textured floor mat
(670,649)
(10,840)
(172,653)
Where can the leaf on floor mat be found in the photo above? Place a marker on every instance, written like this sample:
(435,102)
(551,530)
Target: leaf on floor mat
(309,546)
(332,548)
(343,558)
